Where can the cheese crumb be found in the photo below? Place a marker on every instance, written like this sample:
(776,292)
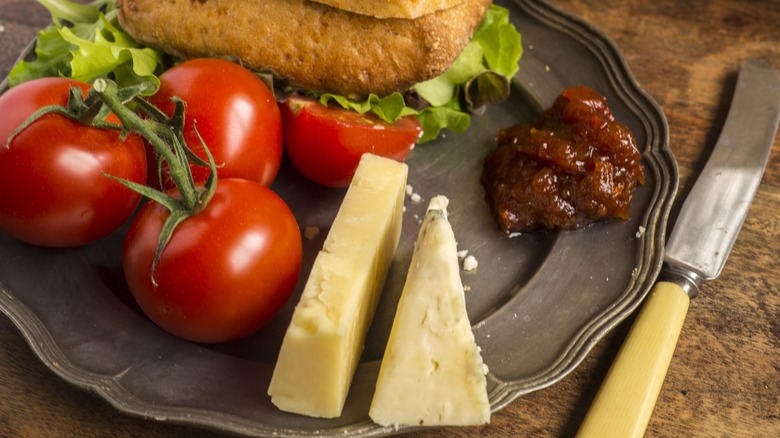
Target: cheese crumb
(415,197)
(470,263)
(640,232)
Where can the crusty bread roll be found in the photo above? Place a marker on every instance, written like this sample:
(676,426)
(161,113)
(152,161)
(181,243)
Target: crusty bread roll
(313,46)
(391,8)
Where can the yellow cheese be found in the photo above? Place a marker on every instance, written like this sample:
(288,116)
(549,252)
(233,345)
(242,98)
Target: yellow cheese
(324,340)
(409,9)
(432,372)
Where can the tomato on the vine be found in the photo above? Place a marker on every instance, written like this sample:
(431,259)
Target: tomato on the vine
(234,112)
(226,270)
(53,185)
(325,143)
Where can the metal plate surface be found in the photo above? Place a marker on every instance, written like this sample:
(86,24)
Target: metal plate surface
(538,302)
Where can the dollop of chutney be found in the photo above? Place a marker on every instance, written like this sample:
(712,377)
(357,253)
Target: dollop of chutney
(572,166)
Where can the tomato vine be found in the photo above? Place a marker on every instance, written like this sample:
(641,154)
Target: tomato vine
(164,133)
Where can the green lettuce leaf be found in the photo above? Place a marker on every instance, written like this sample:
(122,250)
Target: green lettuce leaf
(85,42)
(500,42)
(442,89)
(436,118)
(389,108)
(109,49)
(50,51)
(75,12)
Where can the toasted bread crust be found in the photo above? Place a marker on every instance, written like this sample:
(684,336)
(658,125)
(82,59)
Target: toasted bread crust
(314,46)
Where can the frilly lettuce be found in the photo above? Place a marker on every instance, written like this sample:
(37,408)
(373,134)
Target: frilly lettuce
(85,42)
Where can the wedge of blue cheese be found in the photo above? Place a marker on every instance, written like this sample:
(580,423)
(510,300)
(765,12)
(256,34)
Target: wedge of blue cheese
(325,338)
(432,371)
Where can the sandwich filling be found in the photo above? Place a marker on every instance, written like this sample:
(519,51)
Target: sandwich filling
(392,8)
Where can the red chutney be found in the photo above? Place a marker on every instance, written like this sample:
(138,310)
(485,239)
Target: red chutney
(572,166)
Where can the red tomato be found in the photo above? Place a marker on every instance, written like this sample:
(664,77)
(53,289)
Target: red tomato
(325,143)
(53,191)
(225,272)
(235,114)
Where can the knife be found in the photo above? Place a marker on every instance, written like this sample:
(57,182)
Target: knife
(696,251)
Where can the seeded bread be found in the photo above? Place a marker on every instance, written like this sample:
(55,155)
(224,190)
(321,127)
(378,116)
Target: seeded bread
(313,46)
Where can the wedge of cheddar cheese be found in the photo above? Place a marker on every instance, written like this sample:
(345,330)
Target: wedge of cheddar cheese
(432,371)
(324,340)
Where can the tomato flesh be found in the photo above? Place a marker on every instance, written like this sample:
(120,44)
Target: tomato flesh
(53,188)
(325,143)
(234,112)
(225,272)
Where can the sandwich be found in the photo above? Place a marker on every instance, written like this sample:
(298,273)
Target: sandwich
(347,47)
(355,51)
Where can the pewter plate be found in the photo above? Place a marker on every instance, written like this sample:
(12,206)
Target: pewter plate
(538,302)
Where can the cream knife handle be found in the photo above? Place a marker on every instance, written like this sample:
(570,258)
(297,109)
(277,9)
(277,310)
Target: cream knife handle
(626,399)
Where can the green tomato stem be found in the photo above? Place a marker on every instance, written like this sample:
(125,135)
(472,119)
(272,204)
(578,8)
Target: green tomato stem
(132,122)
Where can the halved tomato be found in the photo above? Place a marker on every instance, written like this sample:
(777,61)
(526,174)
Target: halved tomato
(325,143)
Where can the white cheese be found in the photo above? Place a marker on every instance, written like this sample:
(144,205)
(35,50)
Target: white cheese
(324,340)
(432,371)
(470,263)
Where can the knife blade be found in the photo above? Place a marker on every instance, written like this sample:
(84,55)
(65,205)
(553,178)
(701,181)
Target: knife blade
(696,251)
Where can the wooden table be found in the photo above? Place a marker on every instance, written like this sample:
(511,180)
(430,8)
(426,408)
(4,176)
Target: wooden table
(724,379)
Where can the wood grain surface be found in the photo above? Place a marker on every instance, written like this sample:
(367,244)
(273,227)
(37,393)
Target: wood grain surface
(724,379)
